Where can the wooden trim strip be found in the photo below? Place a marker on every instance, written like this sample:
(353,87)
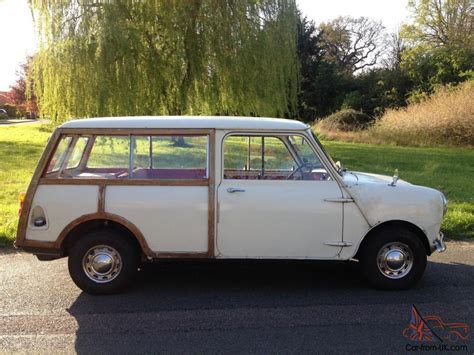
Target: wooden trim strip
(58,244)
(135,131)
(144,182)
(211,195)
(190,255)
(101,202)
(40,168)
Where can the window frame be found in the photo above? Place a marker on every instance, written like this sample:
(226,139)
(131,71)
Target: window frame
(278,134)
(59,178)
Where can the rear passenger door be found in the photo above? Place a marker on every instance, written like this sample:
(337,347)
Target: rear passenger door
(166,194)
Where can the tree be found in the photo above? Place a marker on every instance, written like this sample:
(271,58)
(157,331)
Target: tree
(21,94)
(394,51)
(440,39)
(353,43)
(103,58)
(441,23)
(322,85)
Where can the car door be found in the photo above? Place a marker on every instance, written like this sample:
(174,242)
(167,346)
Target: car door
(273,200)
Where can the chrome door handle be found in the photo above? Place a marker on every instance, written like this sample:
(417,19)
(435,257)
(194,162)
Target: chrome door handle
(231,190)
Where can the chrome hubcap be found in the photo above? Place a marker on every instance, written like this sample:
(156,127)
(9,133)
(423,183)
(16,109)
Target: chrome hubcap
(102,263)
(395,260)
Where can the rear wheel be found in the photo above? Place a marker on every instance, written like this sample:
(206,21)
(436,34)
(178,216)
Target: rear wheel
(393,259)
(103,262)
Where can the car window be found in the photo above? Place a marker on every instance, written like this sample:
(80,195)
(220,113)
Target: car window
(110,152)
(59,155)
(170,157)
(134,157)
(257,158)
(271,158)
(77,152)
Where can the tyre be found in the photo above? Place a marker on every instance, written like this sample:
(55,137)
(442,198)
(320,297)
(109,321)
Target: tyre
(393,259)
(103,262)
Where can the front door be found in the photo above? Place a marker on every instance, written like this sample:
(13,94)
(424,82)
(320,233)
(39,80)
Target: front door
(272,200)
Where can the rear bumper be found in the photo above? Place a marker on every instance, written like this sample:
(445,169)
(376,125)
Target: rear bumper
(438,244)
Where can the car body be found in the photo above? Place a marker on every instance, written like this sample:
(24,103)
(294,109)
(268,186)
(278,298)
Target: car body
(220,188)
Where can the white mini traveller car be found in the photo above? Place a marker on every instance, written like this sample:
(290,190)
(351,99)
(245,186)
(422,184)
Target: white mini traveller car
(112,192)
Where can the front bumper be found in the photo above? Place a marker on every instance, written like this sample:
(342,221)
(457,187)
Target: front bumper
(439,244)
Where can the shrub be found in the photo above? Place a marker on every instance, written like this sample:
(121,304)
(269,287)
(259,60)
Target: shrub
(446,117)
(345,120)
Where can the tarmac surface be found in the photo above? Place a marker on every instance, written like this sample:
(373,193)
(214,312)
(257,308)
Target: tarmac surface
(229,307)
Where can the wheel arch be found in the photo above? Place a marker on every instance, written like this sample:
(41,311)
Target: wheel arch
(395,224)
(72,232)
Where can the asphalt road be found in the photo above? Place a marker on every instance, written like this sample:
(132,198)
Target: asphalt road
(230,307)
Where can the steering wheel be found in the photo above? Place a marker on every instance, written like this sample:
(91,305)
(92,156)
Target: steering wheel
(300,169)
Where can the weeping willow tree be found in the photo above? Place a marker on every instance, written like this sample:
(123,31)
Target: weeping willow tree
(112,58)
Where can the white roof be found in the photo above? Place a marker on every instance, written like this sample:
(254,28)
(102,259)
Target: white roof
(218,122)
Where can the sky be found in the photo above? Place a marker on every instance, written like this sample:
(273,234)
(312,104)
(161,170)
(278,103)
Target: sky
(17,35)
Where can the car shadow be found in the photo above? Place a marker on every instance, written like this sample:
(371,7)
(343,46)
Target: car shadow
(196,286)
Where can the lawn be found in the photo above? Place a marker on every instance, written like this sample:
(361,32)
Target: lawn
(447,169)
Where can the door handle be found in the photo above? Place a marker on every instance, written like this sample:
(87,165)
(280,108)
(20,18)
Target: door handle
(231,190)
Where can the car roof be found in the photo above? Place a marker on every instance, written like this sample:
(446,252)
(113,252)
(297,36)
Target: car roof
(217,122)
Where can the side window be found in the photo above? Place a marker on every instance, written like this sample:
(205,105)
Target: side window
(271,158)
(132,157)
(257,158)
(170,157)
(276,156)
(59,155)
(77,152)
(110,152)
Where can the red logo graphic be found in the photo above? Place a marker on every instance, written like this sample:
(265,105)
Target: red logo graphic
(433,328)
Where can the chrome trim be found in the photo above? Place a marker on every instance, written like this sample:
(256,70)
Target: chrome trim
(439,244)
(232,190)
(342,200)
(338,244)
(395,260)
(102,263)
(445,204)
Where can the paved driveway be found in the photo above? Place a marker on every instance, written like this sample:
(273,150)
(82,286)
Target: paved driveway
(231,307)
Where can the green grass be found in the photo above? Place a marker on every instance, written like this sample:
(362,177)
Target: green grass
(450,170)
(447,169)
(20,149)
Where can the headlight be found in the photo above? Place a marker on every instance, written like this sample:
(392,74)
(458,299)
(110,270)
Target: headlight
(445,203)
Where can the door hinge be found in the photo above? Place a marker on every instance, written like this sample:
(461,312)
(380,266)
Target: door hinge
(338,244)
(340,200)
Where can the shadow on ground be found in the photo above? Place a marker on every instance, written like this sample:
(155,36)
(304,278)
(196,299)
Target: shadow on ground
(219,287)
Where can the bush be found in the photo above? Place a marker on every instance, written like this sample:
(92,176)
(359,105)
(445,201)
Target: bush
(444,118)
(345,120)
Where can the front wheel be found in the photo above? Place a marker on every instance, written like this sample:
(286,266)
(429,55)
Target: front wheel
(393,259)
(103,262)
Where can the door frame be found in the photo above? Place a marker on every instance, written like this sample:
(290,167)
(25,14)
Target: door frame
(223,134)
